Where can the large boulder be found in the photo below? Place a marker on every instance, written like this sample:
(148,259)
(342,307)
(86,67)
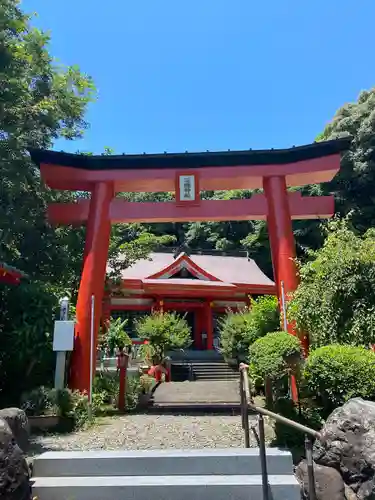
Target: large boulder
(347,444)
(329,484)
(14,471)
(19,424)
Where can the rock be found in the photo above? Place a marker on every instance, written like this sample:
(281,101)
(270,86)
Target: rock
(14,471)
(347,444)
(329,484)
(349,493)
(19,424)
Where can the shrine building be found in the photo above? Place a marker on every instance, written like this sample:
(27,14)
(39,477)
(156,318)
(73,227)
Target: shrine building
(199,286)
(10,275)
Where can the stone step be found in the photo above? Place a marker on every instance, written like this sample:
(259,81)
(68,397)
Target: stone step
(213,374)
(234,487)
(195,409)
(230,461)
(212,367)
(209,363)
(216,375)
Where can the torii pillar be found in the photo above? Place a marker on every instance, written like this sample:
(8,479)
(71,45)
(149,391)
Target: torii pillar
(283,249)
(98,230)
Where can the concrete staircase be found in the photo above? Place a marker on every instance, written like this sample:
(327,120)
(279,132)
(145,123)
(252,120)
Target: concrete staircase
(163,475)
(219,370)
(200,365)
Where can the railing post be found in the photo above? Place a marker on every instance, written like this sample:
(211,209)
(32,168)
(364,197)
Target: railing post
(263,457)
(242,396)
(244,410)
(310,468)
(246,427)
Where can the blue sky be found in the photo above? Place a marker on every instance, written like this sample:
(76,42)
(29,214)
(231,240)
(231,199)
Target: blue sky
(177,75)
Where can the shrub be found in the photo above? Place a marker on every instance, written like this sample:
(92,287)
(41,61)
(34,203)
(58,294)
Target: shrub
(164,332)
(239,330)
(304,413)
(72,404)
(63,401)
(275,355)
(146,383)
(80,411)
(336,373)
(133,390)
(38,402)
(106,383)
(115,336)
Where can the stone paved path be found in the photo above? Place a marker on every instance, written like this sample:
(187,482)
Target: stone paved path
(144,432)
(141,432)
(221,391)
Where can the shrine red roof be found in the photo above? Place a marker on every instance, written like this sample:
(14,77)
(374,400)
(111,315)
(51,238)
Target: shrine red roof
(209,270)
(10,275)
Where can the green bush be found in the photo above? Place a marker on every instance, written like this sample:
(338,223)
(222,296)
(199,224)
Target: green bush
(38,402)
(133,390)
(239,330)
(63,401)
(164,332)
(304,413)
(115,336)
(106,383)
(275,355)
(146,383)
(336,373)
(74,405)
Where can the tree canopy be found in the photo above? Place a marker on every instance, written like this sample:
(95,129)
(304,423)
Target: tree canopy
(335,301)
(40,101)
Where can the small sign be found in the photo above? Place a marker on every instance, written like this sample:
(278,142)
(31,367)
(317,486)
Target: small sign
(63,336)
(187,189)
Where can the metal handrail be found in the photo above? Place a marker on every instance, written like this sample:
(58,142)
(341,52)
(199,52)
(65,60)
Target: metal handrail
(247,404)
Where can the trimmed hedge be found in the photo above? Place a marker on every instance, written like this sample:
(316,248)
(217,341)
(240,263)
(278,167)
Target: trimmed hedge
(239,330)
(335,373)
(274,355)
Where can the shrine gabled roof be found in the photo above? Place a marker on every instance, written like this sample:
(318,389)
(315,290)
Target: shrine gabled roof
(214,268)
(9,274)
(192,160)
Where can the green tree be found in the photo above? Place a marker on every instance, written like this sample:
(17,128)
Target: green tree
(40,101)
(238,330)
(353,185)
(335,301)
(164,332)
(132,242)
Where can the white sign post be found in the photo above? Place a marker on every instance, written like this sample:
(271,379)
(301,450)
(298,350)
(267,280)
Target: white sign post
(63,338)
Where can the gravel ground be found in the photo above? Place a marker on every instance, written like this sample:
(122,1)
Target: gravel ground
(140,432)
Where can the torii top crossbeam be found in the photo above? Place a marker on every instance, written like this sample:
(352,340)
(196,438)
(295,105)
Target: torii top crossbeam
(310,164)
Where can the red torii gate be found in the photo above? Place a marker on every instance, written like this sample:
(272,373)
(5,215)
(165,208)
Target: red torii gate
(186,174)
